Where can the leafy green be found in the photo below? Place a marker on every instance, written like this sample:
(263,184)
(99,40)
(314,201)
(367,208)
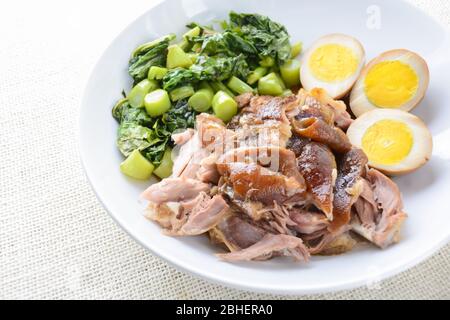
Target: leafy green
(217,68)
(124,112)
(132,136)
(246,42)
(181,116)
(117,109)
(228,43)
(151,136)
(146,56)
(178,77)
(270,38)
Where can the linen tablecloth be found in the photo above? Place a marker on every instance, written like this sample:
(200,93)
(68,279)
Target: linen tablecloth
(56,240)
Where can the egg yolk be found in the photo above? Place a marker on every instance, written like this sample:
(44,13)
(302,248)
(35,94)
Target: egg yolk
(390,84)
(333,62)
(387,142)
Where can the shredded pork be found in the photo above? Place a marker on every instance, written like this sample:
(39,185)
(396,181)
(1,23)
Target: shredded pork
(280,179)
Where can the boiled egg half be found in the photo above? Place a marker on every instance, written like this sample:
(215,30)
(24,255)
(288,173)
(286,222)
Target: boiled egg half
(395,141)
(396,79)
(334,63)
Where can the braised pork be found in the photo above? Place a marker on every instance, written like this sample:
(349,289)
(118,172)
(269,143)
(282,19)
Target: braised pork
(348,186)
(270,245)
(280,179)
(380,224)
(174,190)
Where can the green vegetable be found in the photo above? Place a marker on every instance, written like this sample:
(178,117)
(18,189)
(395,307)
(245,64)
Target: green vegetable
(205,85)
(280,80)
(290,72)
(147,55)
(296,49)
(157,73)
(219,86)
(224,106)
(186,43)
(132,136)
(118,107)
(178,77)
(181,116)
(181,93)
(137,166)
(204,60)
(139,91)
(220,68)
(194,32)
(270,85)
(287,93)
(143,48)
(177,58)
(197,47)
(164,170)
(238,86)
(193,57)
(228,43)
(256,74)
(124,112)
(201,100)
(270,38)
(267,62)
(206,69)
(157,102)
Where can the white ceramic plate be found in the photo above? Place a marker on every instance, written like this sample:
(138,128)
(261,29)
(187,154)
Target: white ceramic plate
(426,192)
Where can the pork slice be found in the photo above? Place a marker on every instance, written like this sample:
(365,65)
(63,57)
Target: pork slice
(366,206)
(266,133)
(271,108)
(348,186)
(320,240)
(238,233)
(244,99)
(386,193)
(382,227)
(308,222)
(174,190)
(269,246)
(207,172)
(205,215)
(339,245)
(253,209)
(275,158)
(251,181)
(317,165)
(194,166)
(263,120)
(184,155)
(318,130)
(164,215)
(181,138)
(213,134)
(330,110)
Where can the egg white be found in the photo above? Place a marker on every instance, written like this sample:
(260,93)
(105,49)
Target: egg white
(335,89)
(359,103)
(422,140)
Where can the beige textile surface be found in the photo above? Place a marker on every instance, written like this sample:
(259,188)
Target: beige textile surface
(56,240)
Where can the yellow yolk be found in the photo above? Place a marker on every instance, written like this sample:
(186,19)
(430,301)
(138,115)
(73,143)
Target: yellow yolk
(333,62)
(387,142)
(390,84)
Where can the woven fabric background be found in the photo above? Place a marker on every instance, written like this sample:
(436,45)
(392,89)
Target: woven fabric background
(56,240)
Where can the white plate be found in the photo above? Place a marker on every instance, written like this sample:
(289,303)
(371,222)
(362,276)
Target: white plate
(426,192)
